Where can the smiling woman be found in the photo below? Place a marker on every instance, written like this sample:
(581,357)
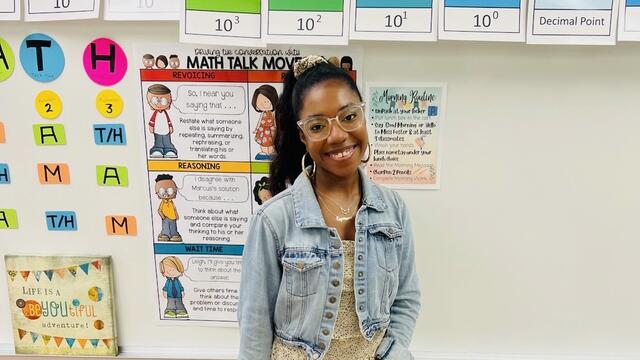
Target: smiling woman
(328,266)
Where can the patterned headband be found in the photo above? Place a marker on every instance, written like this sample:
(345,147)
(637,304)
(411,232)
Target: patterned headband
(307,63)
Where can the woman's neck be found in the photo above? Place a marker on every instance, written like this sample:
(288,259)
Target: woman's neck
(339,187)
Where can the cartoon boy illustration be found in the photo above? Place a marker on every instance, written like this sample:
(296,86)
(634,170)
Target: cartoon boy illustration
(167,190)
(172,268)
(261,192)
(147,61)
(264,99)
(161,62)
(160,125)
(174,61)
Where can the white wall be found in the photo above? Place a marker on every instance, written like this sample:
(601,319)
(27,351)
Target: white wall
(530,247)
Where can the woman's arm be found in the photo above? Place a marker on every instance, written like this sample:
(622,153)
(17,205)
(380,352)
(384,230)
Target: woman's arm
(406,306)
(259,284)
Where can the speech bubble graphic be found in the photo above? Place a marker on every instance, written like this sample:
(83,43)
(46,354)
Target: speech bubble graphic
(219,268)
(215,188)
(215,100)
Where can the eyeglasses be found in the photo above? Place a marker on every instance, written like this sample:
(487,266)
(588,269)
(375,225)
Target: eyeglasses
(319,127)
(162,101)
(165,192)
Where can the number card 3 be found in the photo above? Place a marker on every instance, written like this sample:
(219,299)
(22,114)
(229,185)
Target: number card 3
(318,22)
(410,20)
(222,22)
(484,20)
(47,10)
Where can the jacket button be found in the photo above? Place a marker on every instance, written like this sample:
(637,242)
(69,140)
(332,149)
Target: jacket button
(360,274)
(335,245)
(335,283)
(336,265)
(361,291)
(361,307)
(332,233)
(326,332)
(332,299)
(360,257)
(328,315)
(300,265)
(321,345)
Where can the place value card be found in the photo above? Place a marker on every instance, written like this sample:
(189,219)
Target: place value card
(485,20)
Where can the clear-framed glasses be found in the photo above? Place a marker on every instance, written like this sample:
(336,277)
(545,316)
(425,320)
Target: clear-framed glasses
(164,192)
(162,101)
(318,128)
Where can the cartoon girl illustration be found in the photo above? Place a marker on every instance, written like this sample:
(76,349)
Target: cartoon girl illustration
(261,192)
(172,268)
(264,100)
(161,62)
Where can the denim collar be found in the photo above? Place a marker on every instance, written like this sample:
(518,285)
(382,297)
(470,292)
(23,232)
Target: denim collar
(307,211)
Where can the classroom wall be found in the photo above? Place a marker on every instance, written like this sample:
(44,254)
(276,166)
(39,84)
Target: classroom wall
(529,249)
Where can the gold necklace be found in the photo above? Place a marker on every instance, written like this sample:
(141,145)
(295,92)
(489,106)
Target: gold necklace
(344,211)
(343,218)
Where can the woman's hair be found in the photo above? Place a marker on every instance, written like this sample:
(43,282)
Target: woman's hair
(286,165)
(267,91)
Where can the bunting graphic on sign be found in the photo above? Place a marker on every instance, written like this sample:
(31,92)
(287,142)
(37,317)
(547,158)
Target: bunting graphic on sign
(85,268)
(61,341)
(73,270)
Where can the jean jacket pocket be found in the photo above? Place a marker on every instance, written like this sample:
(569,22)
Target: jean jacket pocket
(302,270)
(387,239)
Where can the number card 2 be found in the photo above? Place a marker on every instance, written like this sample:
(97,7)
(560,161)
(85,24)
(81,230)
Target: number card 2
(629,22)
(142,9)
(317,22)
(410,20)
(47,10)
(484,20)
(221,22)
(588,22)
(9,10)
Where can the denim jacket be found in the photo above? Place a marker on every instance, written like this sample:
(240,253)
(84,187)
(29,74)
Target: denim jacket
(293,270)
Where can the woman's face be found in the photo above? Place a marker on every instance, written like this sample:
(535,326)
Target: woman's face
(341,152)
(263,103)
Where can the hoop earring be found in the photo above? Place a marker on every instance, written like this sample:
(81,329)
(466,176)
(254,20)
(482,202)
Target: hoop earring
(304,169)
(368,155)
